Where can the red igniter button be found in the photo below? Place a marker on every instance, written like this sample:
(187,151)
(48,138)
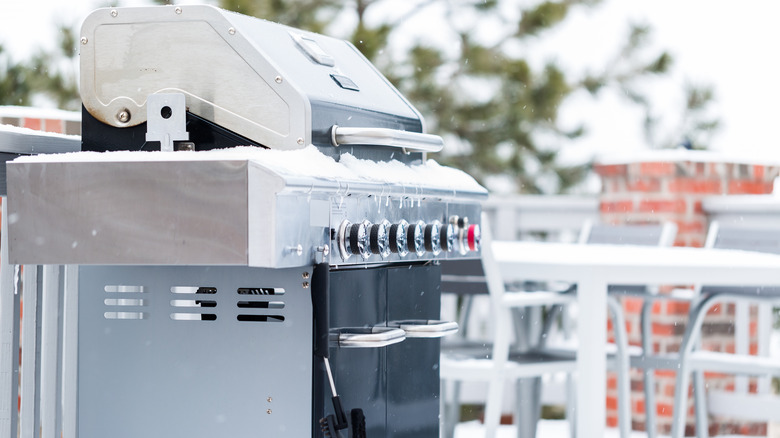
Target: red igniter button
(474,237)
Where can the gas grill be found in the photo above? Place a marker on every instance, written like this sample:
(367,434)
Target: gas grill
(257,230)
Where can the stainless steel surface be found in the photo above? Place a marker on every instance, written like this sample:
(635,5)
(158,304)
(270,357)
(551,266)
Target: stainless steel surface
(269,75)
(221,212)
(410,141)
(422,328)
(144,51)
(32,142)
(374,337)
(8,331)
(196,377)
(129,213)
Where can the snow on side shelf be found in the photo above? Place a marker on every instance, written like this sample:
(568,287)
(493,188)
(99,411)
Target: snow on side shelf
(28,131)
(308,161)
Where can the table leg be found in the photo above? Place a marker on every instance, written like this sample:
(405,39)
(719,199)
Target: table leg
(591,357)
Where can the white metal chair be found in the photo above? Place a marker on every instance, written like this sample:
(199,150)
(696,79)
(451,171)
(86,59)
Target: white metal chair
(645,235)
(693,360)
(498,363)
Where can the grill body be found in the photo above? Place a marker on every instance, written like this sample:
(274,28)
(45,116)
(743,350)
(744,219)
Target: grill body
(199,314)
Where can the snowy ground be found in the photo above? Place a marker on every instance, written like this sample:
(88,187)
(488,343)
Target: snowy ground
(546,429)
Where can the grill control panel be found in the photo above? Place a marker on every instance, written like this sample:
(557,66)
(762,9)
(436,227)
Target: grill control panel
(361,241)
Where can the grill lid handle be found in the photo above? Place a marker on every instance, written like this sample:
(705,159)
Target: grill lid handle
(372,337)
(426,328)
(409,141)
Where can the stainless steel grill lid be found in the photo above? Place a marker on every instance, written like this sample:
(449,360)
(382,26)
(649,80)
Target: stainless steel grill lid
(281,87)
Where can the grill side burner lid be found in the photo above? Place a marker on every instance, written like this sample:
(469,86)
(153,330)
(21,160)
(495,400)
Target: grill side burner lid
(270,84)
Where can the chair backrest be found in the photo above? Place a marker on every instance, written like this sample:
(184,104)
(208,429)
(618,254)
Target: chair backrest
(764,239)
(745,238)
(463,277)
(662,234)
(471,276)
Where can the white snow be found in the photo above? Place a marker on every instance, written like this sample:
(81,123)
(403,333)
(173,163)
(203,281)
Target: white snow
(544,429)
(28,131)
(27,112)
(308,162)
(682,155)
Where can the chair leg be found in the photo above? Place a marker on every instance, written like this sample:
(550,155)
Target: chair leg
(695,319)
(528,407)
(465,314)
(680,401)
(450,408)
(443,407)
(623,375)
(495,399)
(495,396)
(571,411)
(648,373)
(700,403)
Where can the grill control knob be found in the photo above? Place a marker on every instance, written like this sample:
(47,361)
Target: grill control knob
(415,239)
(354,239)
(461,224)
(359,239)
(474,237)
(447,237)
(379,238)
(433,237)
(398,241)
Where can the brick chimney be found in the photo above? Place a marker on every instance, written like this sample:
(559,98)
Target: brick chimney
(670,185)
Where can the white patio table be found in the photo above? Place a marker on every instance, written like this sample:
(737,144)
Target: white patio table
(594,267)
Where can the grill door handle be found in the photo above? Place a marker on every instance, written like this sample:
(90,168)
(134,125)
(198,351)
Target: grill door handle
(374,337)
(408,141)
(426,328)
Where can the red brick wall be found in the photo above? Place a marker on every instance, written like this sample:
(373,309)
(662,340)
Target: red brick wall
(655,191)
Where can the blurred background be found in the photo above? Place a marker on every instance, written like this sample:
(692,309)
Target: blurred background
(525,92)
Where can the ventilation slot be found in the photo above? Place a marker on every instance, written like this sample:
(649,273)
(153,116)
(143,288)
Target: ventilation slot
(260,304)
(124,289)
(194,290)
(117,306)
(124,302)
(261,318)
(124,315)
(192,304)
(260,291)
(193,317)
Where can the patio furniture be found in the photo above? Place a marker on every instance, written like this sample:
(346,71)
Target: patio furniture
(466,278)
(694,360)
(644,235)
(594,267)
(498,362)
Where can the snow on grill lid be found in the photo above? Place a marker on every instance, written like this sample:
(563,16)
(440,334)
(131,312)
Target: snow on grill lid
(307,162)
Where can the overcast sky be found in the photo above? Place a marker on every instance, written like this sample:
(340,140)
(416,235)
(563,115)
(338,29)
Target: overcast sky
(731,45)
